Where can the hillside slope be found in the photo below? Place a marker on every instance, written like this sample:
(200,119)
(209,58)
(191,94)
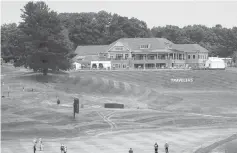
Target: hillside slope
(163,108)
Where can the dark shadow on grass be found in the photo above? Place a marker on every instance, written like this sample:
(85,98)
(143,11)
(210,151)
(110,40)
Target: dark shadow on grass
(40,78)
(49,72)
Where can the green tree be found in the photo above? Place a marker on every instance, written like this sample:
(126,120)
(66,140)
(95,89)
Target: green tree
(234,58)
(195,33)
(46,43)
(218,40)
(10,35)
(101,28)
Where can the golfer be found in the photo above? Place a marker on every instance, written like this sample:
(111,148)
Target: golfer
(156,147)
(34,148)
(41,144)
(62,148)
(65,149)
(166,148)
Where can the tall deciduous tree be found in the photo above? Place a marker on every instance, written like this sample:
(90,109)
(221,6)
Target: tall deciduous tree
(102,27)
(46,44)
(234,58)
(48,36)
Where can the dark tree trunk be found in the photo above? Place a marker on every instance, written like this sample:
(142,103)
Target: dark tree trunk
(45,71)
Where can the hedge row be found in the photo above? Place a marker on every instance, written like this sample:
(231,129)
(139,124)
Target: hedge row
(113,105)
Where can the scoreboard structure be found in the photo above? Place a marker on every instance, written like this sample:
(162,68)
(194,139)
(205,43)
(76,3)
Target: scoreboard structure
(75,107)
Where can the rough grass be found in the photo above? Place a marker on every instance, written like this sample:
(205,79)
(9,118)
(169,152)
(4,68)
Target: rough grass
(161,103)
(229,147)
(203,80)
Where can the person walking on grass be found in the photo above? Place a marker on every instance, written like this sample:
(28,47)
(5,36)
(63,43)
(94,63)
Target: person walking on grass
(58,101)
(62,148)
(41,144)
(166,147)
(65,149)
(35,145)
(34,148)
(156,147)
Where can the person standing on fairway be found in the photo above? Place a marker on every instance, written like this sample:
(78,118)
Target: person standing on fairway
(58,101)
(35,143)
(130,150)
(156,147)
(62,148)
(34,147)
(166,148)
(8,92)
(41,144)
(65,149)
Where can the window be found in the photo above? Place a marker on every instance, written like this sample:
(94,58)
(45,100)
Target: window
(126,56)
(144,46)
(94,66)
(116,65)
(111,57)
(189,56)
(119,56)
(193,56)
(101,66)
(124,65)
(168,46)
(198,56)
(151,57)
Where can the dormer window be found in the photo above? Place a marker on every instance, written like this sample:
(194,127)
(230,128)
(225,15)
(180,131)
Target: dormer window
(145,46)
(168,45)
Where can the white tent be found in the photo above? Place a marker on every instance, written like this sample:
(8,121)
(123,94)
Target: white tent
(215,63)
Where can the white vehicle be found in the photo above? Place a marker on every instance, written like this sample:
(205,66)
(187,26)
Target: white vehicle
(215,63)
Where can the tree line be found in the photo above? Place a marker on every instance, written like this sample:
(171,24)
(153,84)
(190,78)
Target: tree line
(46,39)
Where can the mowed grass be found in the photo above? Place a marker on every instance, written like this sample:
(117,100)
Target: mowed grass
(210,92)
(231,147)
(203,80)
(151,101)
(227,145)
